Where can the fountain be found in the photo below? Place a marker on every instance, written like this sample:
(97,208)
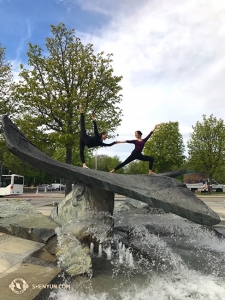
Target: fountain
(172,258)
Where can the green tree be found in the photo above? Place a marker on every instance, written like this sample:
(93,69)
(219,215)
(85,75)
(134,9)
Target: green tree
(32,176)
(105,163)
(219,174)
(7,104)
(166,147)
(66,75)
(136,167)
(206,147)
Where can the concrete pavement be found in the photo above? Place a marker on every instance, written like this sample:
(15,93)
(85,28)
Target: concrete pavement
(216,203)
(25,267)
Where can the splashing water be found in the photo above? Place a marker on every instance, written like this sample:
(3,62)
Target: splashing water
(169,259)
(100,250)
(91,248)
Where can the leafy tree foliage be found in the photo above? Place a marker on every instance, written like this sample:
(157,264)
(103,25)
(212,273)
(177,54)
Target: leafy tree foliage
(32,176)
(166,147)
(105,163)
(7,104)
(136,167)
(206,147)
(63,76)
(219,174)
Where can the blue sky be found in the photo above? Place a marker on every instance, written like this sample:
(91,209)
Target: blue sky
(169,52)
(24,21)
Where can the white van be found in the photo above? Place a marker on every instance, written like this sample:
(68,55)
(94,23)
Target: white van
(216,187)
(57,187)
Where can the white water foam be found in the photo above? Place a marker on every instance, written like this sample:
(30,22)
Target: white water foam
(165,274)
(181,286)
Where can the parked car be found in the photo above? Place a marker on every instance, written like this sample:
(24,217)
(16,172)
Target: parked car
(43,187)
(57,187)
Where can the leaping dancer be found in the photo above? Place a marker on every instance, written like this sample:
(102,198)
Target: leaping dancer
(90,141)
(136,153)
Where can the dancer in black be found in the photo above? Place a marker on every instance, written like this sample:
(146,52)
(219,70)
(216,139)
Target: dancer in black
(90,141)
(136,153)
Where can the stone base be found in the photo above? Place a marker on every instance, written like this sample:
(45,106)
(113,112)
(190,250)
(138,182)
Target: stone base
(80,201)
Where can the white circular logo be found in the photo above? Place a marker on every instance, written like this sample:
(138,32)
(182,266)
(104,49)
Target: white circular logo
(18,286)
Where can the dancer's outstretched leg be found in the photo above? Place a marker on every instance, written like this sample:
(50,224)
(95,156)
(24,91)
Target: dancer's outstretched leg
(82,137)
(80,108)
(150,161)
(151,173)
(127,161)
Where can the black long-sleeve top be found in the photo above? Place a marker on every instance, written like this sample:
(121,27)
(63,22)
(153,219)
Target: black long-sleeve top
(94,141)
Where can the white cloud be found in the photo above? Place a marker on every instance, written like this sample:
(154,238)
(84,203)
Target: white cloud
(171,55)
(24,40)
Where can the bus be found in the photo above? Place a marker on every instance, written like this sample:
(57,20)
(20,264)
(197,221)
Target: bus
(11,185)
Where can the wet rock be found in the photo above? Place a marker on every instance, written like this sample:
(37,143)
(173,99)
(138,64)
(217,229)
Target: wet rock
(21,219)
(84,216)
(72,256)
(82,201)
(135,203)
(220,230)
(52,245)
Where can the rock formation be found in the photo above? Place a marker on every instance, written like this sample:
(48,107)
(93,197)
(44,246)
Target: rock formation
(21,219)
(156,190)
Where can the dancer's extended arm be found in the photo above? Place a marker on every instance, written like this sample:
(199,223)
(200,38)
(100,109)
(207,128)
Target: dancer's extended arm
(151,132)
(157,125)
(119,142)
(108,145)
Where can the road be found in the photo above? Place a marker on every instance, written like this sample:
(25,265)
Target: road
(44,201)
(216,203)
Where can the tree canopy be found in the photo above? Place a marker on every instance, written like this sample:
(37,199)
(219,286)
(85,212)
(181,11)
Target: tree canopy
(67,73)
(7,105)
(206,147)
(104,163)
(166,147)
(63,76)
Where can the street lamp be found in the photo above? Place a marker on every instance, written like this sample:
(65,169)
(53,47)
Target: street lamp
(96,159)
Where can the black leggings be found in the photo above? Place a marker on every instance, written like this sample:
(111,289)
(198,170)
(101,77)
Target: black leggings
(136,155)
(83,133)
(83,138)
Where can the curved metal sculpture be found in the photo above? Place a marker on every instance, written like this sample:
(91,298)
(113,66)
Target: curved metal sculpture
(158,191)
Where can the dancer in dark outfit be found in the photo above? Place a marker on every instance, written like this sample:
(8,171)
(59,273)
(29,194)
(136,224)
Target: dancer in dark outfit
(90,141)
(136,153)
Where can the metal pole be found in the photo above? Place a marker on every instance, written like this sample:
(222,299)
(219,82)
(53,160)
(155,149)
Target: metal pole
(1,183)
(96,159)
